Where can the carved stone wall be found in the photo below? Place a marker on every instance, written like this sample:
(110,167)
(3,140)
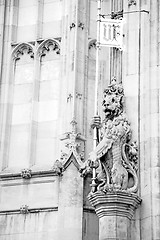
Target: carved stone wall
(32,100)
(42,162)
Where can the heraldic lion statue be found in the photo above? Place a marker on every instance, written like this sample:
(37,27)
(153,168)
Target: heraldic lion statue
(117,156)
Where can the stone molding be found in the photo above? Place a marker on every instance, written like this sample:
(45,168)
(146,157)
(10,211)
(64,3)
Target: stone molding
(88,209)
(40,173)
(30,210)
(114,203)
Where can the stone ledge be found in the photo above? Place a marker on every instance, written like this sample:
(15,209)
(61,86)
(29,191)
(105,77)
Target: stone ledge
(88,209)
(30,210)
(114,203)
(17,175)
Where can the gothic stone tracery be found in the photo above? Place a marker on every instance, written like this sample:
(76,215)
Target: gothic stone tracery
(48,45)
(21,49)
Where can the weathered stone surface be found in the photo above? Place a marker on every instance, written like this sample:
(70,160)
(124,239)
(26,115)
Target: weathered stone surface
(90,225)
(34,226)
(115,211)
(70,209)
(33,192)
(118,203)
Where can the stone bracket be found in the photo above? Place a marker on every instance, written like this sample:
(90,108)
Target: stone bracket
(114,204)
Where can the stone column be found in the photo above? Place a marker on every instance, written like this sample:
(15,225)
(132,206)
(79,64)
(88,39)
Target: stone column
(8,22)
(115,210)
(150,121)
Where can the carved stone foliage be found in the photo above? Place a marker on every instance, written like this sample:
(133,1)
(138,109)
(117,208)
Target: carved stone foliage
(117,154)
(24,209)
(26,173)
(73,144)
(48,45)
(21,49)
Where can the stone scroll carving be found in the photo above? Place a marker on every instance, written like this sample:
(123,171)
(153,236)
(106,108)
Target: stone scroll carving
(117,155)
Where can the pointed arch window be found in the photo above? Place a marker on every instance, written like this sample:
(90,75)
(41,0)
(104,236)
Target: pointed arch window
(47,102)
(32,119)
(21,109)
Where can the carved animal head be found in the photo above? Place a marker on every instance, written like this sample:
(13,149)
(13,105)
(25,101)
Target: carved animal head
(113,100)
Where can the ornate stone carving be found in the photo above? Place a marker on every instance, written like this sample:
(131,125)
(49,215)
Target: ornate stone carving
(73,25)
(69,97)
(92,43)
(88,166)
(73,145)
(118,156)
(79,95)
(117,15)
(58,167)
(21,49)
(81,25)
(48,45)
(26,173)
(24,209)
(131,2)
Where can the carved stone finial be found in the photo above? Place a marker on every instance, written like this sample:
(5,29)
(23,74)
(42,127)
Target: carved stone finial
(26,173)
(114,80)
(73,125)
(24,209)
(58,167)
(118,156)
(73,145)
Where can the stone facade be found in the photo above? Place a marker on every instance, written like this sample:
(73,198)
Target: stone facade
(47,83)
